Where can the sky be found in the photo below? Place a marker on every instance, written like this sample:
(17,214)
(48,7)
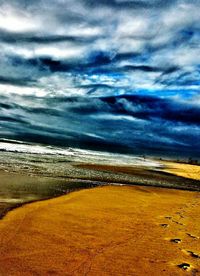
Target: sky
(108,75)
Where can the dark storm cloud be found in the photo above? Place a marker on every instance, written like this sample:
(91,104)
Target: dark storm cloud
(182,78)
(134,4)
(137,123)
(148,108)
(17,81)
(12,37)
(102,74)
(99,62)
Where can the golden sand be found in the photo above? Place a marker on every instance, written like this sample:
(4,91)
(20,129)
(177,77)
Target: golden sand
(110,230)
(185,170)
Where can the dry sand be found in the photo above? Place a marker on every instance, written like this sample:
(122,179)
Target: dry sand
(109,230)
(180,169)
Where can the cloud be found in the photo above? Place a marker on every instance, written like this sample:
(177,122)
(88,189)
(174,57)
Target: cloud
(122,72)
(137,123)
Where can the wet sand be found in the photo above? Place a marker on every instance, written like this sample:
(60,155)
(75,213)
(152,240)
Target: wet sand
(17,189)
(167,176)
(108,230)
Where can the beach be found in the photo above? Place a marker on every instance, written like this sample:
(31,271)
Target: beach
(28,178)
(100,138)
(107,230)
(182,169)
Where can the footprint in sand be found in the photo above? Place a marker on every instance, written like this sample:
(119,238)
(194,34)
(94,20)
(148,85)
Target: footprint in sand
(168,217)
(164,225)
(176,240)
(171,218)
(180,214)
(177,222)
(193,254)
(184,266)
(192,236)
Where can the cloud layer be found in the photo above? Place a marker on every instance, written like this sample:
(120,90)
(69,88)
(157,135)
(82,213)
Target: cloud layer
(109,75)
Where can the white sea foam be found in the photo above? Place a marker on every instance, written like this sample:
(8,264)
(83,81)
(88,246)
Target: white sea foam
(77,154)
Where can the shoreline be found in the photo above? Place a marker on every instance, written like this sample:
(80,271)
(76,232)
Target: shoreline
(93,186)
(17,187)
(19,205)
(144,177)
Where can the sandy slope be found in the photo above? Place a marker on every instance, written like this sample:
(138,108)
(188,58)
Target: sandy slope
(104,231)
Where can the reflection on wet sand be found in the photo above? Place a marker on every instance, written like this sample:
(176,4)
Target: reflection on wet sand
(17,189)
